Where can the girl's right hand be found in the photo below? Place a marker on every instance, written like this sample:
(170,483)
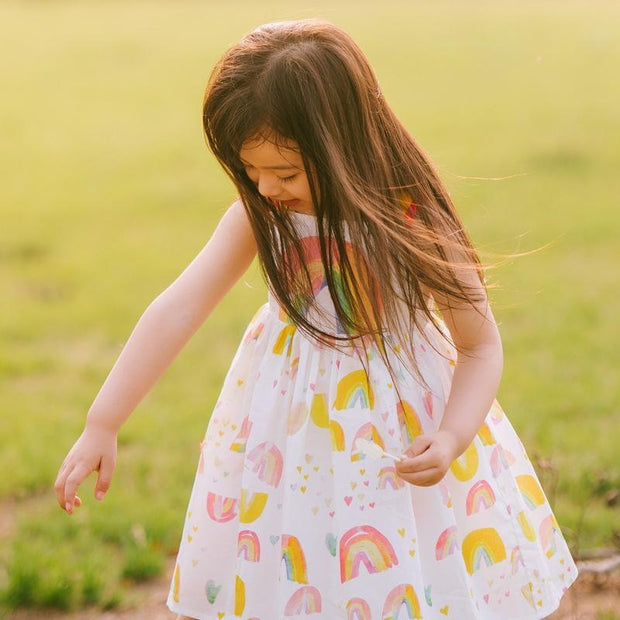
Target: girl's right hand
(95,450)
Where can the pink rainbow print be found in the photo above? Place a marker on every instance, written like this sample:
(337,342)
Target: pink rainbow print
(358,609)
(268,463)
(369,433)
(248,546)
(294,559)
(480,495)
(516,559)
(500,459)
(447,543)
(242,437)
(221,509)
(546,532)
(387,476)
(305,601)
(364,545)
(403,594)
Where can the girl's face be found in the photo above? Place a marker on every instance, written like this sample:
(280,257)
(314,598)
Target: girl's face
(278,171)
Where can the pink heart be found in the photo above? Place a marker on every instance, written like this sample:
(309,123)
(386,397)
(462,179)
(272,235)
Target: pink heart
(366,483)
(486,598)
(391,431)
(275,383)
(372,504)
(385,415)
(348,499)
(332,513)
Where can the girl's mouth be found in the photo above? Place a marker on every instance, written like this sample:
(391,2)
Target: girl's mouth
(290,203)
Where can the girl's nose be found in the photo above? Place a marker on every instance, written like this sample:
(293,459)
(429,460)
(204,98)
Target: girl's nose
(267,186)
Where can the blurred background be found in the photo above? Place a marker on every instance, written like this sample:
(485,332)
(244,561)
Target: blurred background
(108,191)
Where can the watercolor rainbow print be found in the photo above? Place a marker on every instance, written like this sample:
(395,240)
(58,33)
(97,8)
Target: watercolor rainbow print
(364,545)
(285,340)
(387,476)
(252,506)
(409,420)
(528,529)
(353,389)
(500,459)
(304,601)
(402,595)
(368,432)
(531,491)
(176,583)
(358,609)
(242,437)
(447,543)
(480,495)
(318,411)
(248,546)
(220,508)
(268,463)
(239,596)
(294,559)
(547,533)
(466,465)
(297,417)
(482,547)
(337,435)
(485,435)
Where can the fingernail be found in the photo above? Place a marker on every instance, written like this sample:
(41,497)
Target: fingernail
(68,507)
(99,495)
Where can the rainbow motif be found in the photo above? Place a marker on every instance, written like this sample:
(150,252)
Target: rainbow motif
(485,435)
(466,465)
(409,420)
(528,593)
(285,339)
(369,433)
(248,546)
(306,601)
(318,411)
(268,463)
(358,609)
(403,594)
(496,412)
(252,506)
(239,596)
(480,495)
(428,404)
(221,509)
(242,437)
(201,460)
(446,496)
(447,543)
(253,332)
(482,546)
(531,491)
(294,559)
(388,476)
(337,435)
(516,559)
(546,532)
(528,530)
(364,545)
(354,389)
(176,584)
(297,418)
(500,459)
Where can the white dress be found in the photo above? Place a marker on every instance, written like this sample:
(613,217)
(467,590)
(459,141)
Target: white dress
(288,519)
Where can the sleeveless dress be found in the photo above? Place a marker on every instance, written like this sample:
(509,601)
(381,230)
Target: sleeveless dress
(289,519)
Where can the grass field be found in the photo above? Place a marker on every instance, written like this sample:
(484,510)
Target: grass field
(108,191)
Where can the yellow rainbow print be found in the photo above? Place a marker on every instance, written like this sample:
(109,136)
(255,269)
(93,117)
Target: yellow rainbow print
(466,465)
(306,601)
(480,495)
(337,436)
(409,420)
(531,491)
(242,437)
(447,543)
(248,546)
(358,609)
(387,476)
(294,559)
(318,411)
(297,418)
(482,546)
(528,530)
(485,435)
(285,339)
(548,529)
(176,585)
(252,506)
(364,545)
(369,433)
(354,389)
(239,596)
(403,594)
(221,509)
(267,461)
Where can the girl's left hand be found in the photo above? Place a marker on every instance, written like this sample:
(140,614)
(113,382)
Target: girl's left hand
(428,458)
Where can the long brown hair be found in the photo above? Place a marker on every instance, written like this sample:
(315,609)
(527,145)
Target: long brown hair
(308,82)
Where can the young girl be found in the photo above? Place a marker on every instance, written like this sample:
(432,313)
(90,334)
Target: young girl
(356,464)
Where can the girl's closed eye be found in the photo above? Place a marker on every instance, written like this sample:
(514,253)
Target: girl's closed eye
(288,179)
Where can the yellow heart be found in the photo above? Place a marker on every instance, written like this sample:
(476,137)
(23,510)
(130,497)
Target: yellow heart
(401,531)
(444,610)
(303,489)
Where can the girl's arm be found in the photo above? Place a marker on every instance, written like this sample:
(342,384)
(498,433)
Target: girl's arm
(160,334)
(474,386)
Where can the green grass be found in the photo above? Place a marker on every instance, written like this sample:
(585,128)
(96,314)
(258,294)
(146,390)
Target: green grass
(108,191)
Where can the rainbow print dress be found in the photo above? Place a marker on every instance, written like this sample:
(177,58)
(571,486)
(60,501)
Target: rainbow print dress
(288,519)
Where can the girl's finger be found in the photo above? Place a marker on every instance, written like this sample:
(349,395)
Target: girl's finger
(424,478)
(106,468)
(74,479)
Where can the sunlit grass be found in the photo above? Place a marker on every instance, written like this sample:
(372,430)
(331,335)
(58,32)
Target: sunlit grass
(108,192)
